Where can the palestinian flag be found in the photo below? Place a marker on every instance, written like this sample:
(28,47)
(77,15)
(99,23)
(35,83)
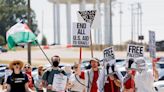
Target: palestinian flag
(18,34)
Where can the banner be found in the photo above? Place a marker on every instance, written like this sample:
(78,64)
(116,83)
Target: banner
(135,51)
(81,35)
(152,45)
(108,54)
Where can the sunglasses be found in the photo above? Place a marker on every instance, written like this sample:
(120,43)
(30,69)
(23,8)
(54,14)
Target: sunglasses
(75,67)
(16,64)
(27,67)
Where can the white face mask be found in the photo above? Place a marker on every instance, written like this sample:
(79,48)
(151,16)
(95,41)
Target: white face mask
(141,65)
(140,70)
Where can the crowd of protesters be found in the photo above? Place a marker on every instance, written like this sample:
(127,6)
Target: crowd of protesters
(107,78)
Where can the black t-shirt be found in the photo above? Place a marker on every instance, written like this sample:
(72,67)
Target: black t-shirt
(17,82)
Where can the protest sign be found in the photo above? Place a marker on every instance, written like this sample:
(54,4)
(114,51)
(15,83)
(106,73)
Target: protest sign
(152,45)
(81,35)
(92,17)
(135,51)
(87,16)
(108,54)
(59,83)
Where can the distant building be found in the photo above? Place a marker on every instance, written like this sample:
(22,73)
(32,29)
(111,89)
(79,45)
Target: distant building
(160,46)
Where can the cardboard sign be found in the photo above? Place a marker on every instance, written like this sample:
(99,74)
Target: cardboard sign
(81,35)
(135,51)
(152,45)
(109,54)
(59,83)
(88,16)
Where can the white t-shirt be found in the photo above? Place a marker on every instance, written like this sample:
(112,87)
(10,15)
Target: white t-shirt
(37,80)
(76,85)
(144,81)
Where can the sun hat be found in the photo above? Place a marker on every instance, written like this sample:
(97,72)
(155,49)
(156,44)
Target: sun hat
(16,62)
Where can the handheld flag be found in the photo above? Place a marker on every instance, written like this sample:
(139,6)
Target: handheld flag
(20,33)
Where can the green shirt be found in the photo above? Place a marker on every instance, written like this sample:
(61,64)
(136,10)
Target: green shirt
(49,75)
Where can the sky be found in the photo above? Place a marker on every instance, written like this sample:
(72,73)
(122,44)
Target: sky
(152,11)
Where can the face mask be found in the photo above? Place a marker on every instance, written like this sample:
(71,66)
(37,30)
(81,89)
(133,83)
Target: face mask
(55,63)
(140,70)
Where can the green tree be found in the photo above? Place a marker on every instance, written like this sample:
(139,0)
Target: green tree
(12,11)
(44,40)
(2,40)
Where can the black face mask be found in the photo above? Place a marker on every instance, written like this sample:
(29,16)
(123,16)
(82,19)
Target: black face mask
(55,63)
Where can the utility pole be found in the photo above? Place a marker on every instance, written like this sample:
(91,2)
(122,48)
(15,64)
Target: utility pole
(132,22)
(29,24)
(141,23)
(111,23)
(138,21)
(120,25)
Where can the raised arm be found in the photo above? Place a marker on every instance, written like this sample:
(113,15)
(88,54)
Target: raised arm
(155,72)
(8,88)
(26,87)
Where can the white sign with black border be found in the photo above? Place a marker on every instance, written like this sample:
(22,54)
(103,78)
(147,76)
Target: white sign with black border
(87,16)
(108,54)
(81,35)
(135,51)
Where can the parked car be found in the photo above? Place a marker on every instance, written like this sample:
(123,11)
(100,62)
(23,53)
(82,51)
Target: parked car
(159,86)
(2,49)
(160,68)
(2,74)
(85,65)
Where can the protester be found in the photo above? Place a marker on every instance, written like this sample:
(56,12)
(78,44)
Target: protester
(38,79)
(28,72)
(144,79)
(17,81)
(128,82)
(8,72)
(109,79)
(48,76)
(76,84)
(91,76)
(67,70)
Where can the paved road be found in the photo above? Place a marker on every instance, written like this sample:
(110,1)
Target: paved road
(67,54)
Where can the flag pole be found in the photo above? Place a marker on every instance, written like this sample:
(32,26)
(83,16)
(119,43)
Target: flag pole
(43,52)
(80,56)
(91,44)
(29,23)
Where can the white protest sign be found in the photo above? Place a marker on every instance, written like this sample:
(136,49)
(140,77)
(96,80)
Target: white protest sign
(152,45)
(92,17)
(108,54)
(59,83)
(81,35)
(135,51)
